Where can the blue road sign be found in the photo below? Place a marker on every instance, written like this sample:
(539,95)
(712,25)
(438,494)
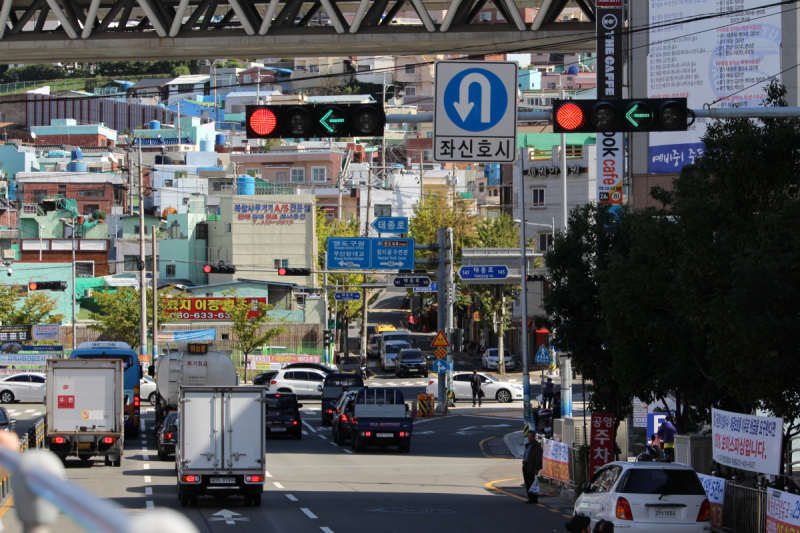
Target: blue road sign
(654,421)
(542,356)
(350,252)
(392,254)
(347,296)
(434,287)
(390,224)
(483,272)
(439,366)
(475,99)
(412,281)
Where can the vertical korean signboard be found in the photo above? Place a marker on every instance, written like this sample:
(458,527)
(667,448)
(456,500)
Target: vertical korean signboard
(783,512)
(602,441)
(715,490)
(610,145)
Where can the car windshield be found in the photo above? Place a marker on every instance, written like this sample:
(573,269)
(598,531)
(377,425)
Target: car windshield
(490,378)
(493,352)
(344,380)
(661,481)
(280,403)
(3,418)
(127,360)
(395,337)
(395,348)
(171,420)
(408,356)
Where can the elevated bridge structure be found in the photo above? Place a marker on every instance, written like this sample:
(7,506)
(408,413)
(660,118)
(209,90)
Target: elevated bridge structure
(46,31)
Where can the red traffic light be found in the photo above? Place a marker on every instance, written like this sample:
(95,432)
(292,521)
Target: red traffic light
(207,269)
(281,271)
(32,286)
(263,121)
(570,117)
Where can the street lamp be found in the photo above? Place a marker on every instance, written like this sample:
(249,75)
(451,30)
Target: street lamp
(551,226)
(67,223)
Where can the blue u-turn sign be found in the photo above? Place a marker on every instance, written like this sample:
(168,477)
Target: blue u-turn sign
(475,99)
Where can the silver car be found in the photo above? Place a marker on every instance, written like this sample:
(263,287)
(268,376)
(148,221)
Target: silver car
(389,352)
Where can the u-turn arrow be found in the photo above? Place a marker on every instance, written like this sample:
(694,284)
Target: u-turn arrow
(464,106)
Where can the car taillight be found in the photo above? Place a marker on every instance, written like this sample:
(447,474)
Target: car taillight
(430,382)
(624,509)
(168,435)
(273,382)
(254,479)
(58,440)
(330,411)
(368,434)
(294,422)
(136,401)
(108,440)
(402,433)
(705,512)
(190,479)
(344,418)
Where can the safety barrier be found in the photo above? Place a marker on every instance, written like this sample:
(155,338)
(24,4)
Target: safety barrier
(426,405)
(32,439)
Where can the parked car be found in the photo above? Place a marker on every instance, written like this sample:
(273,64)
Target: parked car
(489,359)
(502,391)
(264,377)
(283,415)
(147,390)
(389,354)
(647,497)
(388,336)
(24,387)
(411,362)
(167,436)
(340,425)
(299,382)
(6,422)
(312,366)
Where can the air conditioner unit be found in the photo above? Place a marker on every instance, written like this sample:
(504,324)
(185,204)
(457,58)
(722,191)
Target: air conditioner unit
(87,293)
(695,451)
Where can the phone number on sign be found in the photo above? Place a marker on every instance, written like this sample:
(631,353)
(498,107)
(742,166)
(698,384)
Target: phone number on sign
(221,315)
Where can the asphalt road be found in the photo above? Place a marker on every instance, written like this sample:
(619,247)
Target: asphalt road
(315,486)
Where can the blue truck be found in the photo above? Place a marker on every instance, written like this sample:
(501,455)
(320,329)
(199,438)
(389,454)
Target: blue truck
(381,419)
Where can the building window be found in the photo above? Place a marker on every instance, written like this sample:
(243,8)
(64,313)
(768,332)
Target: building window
(39,196)
(170,271)
(185,201)
(480,187)
(281,177)
(252,172)
(545,241)
(538,198)
(411,68)
(237,108)
(383,210)
(410,90)
(500,16)
(429,135)
(168,183)
(484,16)
(227,227)
(201,231)
(89,209)
(131,263)
(551,85)
(146,230)
(318,173)
(280,263)
(298,175)
(246,78)
(362,68)
(84,269)
(220,186)
(313,68)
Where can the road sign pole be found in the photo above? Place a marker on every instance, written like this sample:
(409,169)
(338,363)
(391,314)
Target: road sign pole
(450,291)
(526,377)
(326,318)
(441,297)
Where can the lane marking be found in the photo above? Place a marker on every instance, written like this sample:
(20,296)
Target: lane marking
(267,474)
(148,491)
(150,505)
(323,437)
(6,506)
(333,443)
(278,485)
(146,467)
(142,424)
(292,498)
(310,412)
(37,413)
(306,424)
(308,513)
(305,432)
(27,411)
(145,457)
(147,479)
(490,485)
(326,529)
(347,451)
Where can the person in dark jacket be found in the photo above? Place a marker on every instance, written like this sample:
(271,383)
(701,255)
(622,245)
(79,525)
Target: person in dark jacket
(667,432)
(531,465)
(580,523)
(475,382)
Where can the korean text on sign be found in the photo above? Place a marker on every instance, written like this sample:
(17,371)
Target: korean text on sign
(747,442)
(470,148)
(555,462)
(715,490)
(783,512)
(602,441)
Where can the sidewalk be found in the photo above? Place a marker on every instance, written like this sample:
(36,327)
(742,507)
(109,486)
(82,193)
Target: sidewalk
(515,442)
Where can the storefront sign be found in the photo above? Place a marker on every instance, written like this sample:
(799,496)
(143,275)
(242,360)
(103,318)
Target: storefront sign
(715,490)
(188,336)
(555,462)
(602,441)
(272,213)
(783,512)
(276,362)
(747,442)
(208,308)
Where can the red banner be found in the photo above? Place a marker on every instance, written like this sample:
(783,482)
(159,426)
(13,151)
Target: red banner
(208,308)
(602,441)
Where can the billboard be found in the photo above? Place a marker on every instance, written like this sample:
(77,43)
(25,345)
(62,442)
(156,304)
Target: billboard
(747,442)
(208,308)
(555,461)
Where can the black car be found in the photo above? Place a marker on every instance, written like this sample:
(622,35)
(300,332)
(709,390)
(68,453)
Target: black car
(6,422)
(168,436)
(332,389)
(342,415)
(264,378)
(313,366)
(412,363)
(283,415)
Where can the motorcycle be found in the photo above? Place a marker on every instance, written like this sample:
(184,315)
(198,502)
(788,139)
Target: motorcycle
(543,422)
(651,454)
(362,367)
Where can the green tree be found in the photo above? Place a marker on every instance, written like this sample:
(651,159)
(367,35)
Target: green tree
(119,314)
(181,70)
(33,308)
(36,72)
(436,211)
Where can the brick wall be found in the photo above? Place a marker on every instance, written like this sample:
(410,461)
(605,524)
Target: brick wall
(84,139)
(100,258)
(32,193)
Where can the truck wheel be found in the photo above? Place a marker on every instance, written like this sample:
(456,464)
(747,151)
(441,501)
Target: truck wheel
(153,398)
(107,461)
(162,456)
(185,500)
(405,449)
(7,396)
(256,500)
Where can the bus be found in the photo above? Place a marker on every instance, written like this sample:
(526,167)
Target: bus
(132,375)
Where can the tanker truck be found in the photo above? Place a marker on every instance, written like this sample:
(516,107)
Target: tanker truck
(193,364)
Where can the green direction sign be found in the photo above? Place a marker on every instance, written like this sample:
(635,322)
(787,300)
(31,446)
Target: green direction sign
(639,115)
(332,121)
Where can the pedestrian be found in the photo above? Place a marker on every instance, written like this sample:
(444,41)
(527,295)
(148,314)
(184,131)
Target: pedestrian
(604,526)
(531,465)
(655,447)
(410,320)
(666,432)
(548,392)
(477,391)
(557,405)
(580,523)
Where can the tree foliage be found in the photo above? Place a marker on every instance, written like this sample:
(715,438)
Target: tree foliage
(33,308)
(119,314)
(437,211)
(36,72)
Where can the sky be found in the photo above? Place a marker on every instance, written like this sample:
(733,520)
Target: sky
(523,59)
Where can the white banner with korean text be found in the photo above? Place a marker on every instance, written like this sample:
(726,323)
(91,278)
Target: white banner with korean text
(747,442)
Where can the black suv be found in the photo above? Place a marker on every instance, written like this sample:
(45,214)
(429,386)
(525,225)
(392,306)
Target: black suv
(343,412)
(412,363)
(167,436)
(283,415)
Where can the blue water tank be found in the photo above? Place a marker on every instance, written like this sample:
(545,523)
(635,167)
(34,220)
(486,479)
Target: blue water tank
(220,139)
(12,190)
(246,185)
(76,166)
(76,155)
(155,125)
(572,70)
(56,153)
(206,145)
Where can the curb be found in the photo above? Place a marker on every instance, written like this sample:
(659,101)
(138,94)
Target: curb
(510,446)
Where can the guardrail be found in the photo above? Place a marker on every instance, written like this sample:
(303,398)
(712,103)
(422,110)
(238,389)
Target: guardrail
(41,492)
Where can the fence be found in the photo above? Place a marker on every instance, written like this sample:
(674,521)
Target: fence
(744,509)
(32,439)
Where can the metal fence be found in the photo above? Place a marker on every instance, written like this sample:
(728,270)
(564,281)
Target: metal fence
(745,509)
(32,439)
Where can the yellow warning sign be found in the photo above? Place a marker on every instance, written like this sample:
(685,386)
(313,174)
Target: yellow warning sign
(440,340)
(440,352)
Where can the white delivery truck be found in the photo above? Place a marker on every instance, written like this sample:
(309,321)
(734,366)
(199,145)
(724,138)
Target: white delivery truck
(221,441)
(85,406)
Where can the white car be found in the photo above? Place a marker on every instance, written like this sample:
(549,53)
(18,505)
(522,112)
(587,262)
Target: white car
(147,390)
(493,388)
(650,497)
(302,382)
(25,387)
(389,352)
(489,361)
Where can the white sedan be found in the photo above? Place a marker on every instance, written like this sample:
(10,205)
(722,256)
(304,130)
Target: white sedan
(147,390)
(24,387)
(649,497)
(489,361)
(493,388)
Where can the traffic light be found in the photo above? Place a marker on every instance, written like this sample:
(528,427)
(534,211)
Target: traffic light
(644,114)
(327,337)
(294,271)
(219,269)
(535,277)
(47,286)
(314,120)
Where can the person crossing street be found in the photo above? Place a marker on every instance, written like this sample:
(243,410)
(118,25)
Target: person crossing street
(477,392)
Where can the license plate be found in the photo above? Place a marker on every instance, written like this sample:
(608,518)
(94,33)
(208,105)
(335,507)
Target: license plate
(666,513)
(413,369)
(220,480)
(384,435)
(277,429)
(84,445)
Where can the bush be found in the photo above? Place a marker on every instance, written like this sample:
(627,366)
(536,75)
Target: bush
(45,71)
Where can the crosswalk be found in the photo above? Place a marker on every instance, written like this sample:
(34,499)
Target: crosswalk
(380,383)
(31,412)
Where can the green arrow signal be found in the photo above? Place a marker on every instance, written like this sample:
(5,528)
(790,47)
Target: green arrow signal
(326,122)
(634,117)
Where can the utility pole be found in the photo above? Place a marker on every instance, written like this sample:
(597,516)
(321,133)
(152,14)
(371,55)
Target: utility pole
(130,184)
(178,124)
(155,297)
(451,301)
(365,312)
(526,382)
(383,142)
(74,305)
(564,207)
(142,265)
(325,316)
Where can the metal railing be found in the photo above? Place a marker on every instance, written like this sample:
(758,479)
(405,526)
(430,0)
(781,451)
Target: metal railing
(745,509)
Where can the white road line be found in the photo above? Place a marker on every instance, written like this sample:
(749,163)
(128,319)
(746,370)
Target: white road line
(278,485)
(305,432)
(267,474)
(37,413)
(310,412)
(347,451)
(292,498)
(147,479)
(146,467)
(406,384)
(141,424)
(334,444)
(326,530)
(306,424)
(323,437)
(29,411)
(148,491)
(150,505)
(145,457)
(144,447)
(308,513)
(471,427)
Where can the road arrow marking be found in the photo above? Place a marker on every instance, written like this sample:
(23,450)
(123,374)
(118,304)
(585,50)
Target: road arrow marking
(464,106)
(228,516)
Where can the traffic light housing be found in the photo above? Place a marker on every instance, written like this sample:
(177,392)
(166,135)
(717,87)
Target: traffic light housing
(219,269)
(327,337)
(535,277)
(633,115)
(47,286)
(314,121)
(294,271)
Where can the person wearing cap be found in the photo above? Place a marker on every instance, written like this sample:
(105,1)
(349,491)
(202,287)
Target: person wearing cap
(531,465)
(580,523)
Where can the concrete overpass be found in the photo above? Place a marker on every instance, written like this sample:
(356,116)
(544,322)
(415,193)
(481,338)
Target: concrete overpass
(45,31)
